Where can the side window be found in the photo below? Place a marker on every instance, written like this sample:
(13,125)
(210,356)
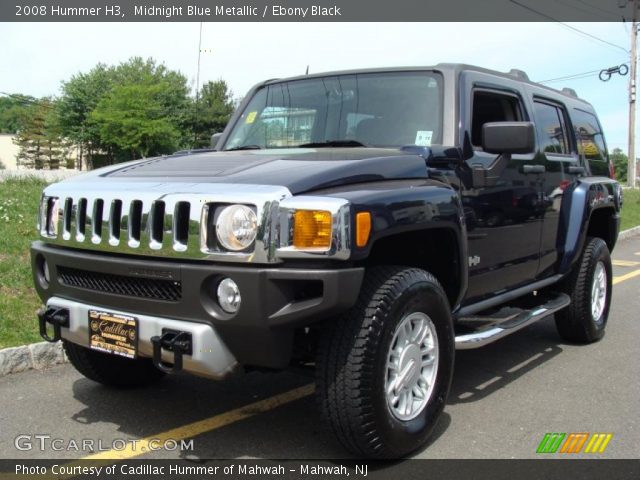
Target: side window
(591,143)
(492,107)
(552,128)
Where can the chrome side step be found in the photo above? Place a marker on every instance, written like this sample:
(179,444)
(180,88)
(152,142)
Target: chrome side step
(495,332)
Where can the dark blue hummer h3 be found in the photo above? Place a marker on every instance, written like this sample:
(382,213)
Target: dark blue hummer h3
(366,222)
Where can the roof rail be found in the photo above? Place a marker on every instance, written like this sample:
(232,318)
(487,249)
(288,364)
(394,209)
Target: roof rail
(519,74)
(570,91)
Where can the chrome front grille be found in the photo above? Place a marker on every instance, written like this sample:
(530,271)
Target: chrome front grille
(167,219)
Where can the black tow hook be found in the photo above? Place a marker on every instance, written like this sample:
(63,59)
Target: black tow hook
(180,343)
(58,317)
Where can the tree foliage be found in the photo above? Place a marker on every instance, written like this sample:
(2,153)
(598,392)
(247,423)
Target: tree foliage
(136,109)
(213,108)
(41,144)
(620,163)
(12,112)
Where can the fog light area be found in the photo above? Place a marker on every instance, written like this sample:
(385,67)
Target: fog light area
(229,295)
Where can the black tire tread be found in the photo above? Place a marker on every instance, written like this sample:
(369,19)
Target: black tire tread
(346,359)
(572,322)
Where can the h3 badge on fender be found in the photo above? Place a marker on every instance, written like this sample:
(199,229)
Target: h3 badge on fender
(113,333)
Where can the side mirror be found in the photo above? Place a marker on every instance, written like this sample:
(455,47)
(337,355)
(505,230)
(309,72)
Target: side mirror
(214,139)
(508,137)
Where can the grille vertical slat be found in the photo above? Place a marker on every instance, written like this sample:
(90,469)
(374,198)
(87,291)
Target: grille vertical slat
(156,224)
(181,218)
(115,218)
(66,218)
(81,220)
(96,220)
(134,224)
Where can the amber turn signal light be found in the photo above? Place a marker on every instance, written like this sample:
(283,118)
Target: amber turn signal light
(363,228)
(312,229)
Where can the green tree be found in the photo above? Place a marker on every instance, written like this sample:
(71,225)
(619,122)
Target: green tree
(80,96)
(92,115)
(12,112)
(41,145)
(133,119)
(620,162)
(212,111)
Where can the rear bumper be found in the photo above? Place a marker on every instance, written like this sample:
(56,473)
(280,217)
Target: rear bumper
(275,301)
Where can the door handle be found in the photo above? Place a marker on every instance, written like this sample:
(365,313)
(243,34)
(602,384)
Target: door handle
(533,169)
(575,169)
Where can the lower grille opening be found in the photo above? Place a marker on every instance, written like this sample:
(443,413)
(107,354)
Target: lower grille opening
(157,289)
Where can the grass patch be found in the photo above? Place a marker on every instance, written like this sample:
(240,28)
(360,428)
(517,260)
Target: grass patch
(19,200)
(630,209)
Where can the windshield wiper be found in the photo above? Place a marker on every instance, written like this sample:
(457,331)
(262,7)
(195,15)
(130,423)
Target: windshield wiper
(244,147)
(333,143)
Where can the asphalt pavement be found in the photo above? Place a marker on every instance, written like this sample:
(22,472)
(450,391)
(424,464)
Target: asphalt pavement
(504,398)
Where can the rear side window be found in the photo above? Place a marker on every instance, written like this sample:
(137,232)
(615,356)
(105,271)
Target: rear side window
(492,107)
(591,143)
(552,128)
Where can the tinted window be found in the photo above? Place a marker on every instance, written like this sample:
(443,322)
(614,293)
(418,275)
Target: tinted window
(377,109)
(492,107)
(591,142)
(552,129)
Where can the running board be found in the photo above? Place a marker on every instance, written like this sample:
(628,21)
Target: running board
(525,318)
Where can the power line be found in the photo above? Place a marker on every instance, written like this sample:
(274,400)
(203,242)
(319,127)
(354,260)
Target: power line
(577,30)
(28,101)
(571,77)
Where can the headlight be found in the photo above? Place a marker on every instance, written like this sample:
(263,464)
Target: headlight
(236,227)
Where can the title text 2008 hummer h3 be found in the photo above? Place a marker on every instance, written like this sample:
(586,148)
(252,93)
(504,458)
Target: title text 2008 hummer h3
(369,222)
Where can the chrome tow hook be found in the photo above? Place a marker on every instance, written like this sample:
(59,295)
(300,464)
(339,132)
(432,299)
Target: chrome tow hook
(58,317)
(178,342)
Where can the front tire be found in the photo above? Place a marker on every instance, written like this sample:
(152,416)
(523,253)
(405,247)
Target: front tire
(384,369)
(112,370)
(589,287)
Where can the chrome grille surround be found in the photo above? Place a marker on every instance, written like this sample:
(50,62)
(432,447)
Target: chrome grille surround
(172,219)
(157,219)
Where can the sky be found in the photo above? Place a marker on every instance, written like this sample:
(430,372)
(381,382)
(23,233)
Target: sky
(36,57)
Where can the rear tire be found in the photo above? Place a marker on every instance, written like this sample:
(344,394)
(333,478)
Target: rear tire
(384,369)
(112,370)
(589,286)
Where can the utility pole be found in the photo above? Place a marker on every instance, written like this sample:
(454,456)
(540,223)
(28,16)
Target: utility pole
(195,120)
(631,168)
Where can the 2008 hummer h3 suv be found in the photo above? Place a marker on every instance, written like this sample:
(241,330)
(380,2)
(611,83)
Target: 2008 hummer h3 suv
(371,222)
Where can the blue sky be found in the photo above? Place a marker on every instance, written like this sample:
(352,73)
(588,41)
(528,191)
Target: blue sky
(36,57)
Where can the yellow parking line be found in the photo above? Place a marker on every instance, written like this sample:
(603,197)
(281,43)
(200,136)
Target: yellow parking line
(625,263)
(207,425)
(184,432)
(625,277)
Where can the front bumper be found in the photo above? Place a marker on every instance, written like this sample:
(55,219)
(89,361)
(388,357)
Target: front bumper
(275,301)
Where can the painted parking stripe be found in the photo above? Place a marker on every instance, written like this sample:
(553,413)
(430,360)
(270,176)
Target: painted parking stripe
(625,277)
(625,263)
(206,425)
(184,432)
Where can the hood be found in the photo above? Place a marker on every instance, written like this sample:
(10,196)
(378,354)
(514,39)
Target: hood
(299,169)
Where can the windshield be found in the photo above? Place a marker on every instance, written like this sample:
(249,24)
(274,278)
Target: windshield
(390,109)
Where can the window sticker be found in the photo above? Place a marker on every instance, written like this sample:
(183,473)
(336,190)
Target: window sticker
(251,117)
(423,138)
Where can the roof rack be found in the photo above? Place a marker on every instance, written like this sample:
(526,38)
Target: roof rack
(519,74)
(570,91)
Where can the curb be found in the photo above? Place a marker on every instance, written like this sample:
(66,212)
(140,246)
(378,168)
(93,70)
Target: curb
(39,356)
(631,232)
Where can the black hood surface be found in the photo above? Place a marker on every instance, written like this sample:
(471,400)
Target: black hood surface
(298,169)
